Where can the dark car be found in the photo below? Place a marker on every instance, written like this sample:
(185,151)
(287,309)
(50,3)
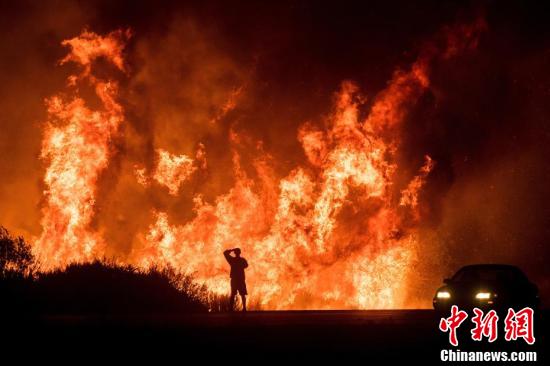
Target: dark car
(496,286)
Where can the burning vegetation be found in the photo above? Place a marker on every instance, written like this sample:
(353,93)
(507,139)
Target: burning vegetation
(338,230)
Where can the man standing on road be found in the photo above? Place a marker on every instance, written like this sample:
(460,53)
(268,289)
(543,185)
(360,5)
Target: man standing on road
(238,284)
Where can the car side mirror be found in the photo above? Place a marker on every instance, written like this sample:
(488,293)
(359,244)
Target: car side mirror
(447,281)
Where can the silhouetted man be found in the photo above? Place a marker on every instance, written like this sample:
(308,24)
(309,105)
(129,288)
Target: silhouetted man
(238,284)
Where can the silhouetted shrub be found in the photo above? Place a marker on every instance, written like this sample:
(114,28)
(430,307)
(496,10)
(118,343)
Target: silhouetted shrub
(103,288)
(16,269)
(100,287)
(16,258)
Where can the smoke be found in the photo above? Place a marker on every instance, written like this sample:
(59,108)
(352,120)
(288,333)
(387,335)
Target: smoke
(242,81)
(180,90)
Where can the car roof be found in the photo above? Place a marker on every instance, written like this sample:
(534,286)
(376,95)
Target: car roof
(490,266)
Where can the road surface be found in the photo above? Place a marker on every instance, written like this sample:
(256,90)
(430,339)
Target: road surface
(373,335)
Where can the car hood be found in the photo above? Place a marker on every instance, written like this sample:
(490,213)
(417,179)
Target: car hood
(467,290)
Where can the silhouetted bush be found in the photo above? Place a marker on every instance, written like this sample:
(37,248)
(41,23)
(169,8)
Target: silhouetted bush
(16,258)
(16,270)
(100,287)
(103,288)
(213,302)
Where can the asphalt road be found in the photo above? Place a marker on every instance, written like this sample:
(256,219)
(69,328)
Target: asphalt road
(372,336)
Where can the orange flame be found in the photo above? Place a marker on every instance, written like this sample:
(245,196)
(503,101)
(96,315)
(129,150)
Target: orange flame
(330,234)
(76,146)
(409,196)
(173,170)
(300,256)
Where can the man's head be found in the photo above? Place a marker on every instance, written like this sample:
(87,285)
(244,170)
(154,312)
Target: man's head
(237,252)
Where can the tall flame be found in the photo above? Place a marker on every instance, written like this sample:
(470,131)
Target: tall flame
(76,146)
(333,233)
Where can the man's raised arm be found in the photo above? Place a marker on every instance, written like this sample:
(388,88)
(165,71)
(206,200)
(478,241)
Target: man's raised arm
(228,258)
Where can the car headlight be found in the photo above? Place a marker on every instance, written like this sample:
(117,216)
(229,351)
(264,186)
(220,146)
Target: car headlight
(443,295)
(483,295)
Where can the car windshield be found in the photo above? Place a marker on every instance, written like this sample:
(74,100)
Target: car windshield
(489,274)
